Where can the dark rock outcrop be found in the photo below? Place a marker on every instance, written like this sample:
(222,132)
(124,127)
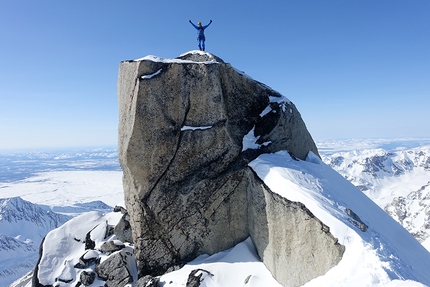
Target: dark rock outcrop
(188,127)
(87,277)
(86,260)
(111,246)
(123,229)
(355,219)
(147,281)
(115,270)
(195,277)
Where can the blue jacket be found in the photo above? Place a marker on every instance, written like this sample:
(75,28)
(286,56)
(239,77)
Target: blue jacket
(200,30)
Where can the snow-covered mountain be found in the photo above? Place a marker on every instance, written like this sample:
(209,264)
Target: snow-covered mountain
(17,258)
(398,180)
(26,221)
(22,227)
(39,191)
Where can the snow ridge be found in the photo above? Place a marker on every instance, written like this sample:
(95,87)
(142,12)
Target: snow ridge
(16,210)
(384,253)
(22,227)
(397,180)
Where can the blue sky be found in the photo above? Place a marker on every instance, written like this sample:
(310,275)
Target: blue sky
(354,69)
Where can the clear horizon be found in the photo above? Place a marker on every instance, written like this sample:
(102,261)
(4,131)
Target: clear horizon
(353,69)
(323,145)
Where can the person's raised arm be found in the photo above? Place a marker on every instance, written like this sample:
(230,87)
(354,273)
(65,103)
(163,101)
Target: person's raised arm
(210,22)
(195,26)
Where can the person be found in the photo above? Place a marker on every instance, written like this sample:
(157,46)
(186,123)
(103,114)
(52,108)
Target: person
(201,34)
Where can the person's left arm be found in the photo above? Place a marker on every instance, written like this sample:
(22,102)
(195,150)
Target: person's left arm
(210,22)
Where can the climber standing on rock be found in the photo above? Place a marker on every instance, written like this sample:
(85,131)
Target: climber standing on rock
(201,34)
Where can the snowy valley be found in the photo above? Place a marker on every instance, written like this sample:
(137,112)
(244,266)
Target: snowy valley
(393,174)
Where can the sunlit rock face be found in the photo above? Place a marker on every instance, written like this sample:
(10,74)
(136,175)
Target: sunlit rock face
(188,127)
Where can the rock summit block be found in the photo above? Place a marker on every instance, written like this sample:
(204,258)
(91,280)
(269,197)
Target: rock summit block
(188,127)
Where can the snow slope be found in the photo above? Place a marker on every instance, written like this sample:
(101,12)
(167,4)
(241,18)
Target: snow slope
(385,252)
(398,180)
(239,266)
(26,221)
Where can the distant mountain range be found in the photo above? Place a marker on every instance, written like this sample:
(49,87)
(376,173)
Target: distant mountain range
(397,180)
(22,227)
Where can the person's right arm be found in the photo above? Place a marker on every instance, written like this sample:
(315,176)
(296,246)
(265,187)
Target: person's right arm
(193,24)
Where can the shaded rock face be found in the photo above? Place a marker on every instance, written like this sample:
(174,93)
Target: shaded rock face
(293,244)
(188,188)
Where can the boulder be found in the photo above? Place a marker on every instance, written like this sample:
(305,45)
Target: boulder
(87,277)
(89,243)
(147,281)
(188,127)
(121,209)
(88,258)
(116,269)
(111,246)
(196,277)
(123,229)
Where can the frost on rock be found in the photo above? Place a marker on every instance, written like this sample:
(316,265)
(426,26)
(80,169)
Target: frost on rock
(282,101)
(150,76)
(250,141)
(186,58)
(186,128)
